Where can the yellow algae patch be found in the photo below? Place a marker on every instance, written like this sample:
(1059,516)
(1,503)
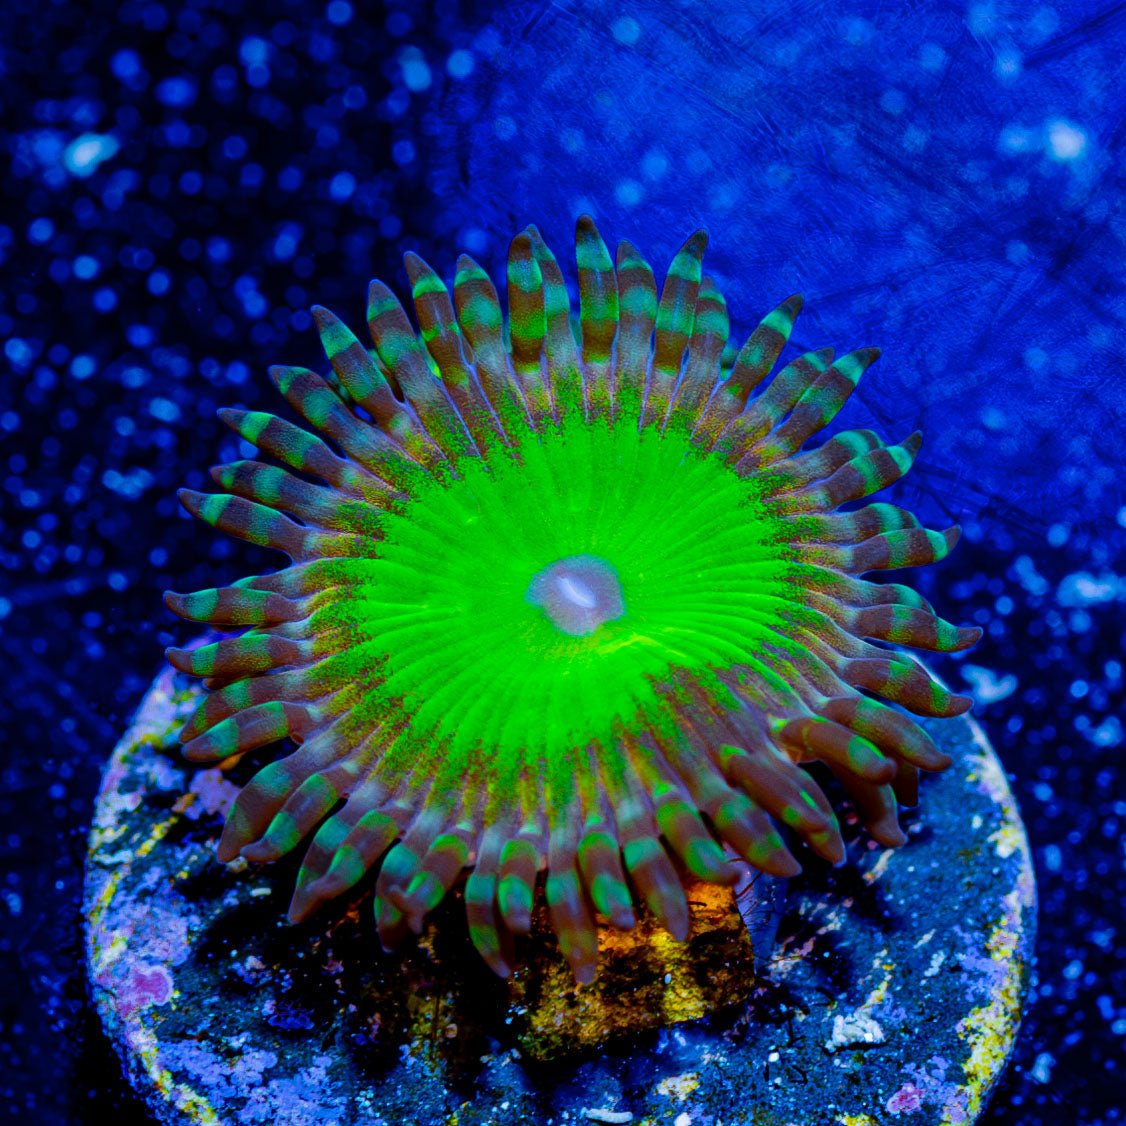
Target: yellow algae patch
(669,982)
(990,1030)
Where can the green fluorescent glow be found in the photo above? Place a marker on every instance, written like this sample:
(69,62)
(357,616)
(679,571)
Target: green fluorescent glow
(445,619)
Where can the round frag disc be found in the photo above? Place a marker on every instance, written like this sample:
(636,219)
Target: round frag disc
(895,985)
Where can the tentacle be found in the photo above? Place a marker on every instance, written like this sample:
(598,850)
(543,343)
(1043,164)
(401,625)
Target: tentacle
(570,913)
(816,465)
(262,799)
(637,315)
(565,378)
(307,453)
(516,886)
(598,304)
(815,738)
(709,337)
(888,551)
(441,865)
(442,337)
(527,322)
(676,315)
(902,680)
(488,933)
(788,793)
(481,319)
(817,406)
(916,628)
(601,865)
(751,367)
(312,504)
(239,657)
(367,385)
(652,871)
(877,808)
(891,731)
(401,354)
(750,832)
(249,729)
(234,606)
(690,840)
(289,686)
(255,523)
(852,527)
(766,410)
(860,477)
(905,784)
(401,864)
(325,411)
(346,846)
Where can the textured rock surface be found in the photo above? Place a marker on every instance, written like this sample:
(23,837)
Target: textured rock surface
(894,991)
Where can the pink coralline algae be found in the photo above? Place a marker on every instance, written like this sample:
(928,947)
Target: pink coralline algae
(144,986)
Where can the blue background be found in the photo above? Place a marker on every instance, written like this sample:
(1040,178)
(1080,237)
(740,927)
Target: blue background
(943,180)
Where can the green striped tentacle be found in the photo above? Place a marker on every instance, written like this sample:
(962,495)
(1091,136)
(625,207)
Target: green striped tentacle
(676,315)
(598,317)
(569,608)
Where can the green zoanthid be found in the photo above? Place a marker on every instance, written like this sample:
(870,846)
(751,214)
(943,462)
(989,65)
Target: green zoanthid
(570,599)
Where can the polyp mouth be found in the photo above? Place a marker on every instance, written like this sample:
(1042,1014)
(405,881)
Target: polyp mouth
(578,594)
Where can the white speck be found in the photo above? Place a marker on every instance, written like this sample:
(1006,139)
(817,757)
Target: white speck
(1107,734)
(598,1114)
(579,593)
(1084,589)
(936,964)
(1066,141)
(1041,1070)
(683,1119)
(986,686)
(856,1029)
(83,155)
(1029,577)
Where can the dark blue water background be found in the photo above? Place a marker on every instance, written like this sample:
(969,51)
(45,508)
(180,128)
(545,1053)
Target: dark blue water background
(183,180)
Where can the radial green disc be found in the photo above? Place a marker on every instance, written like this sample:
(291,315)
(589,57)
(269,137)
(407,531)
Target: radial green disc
(705,582)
